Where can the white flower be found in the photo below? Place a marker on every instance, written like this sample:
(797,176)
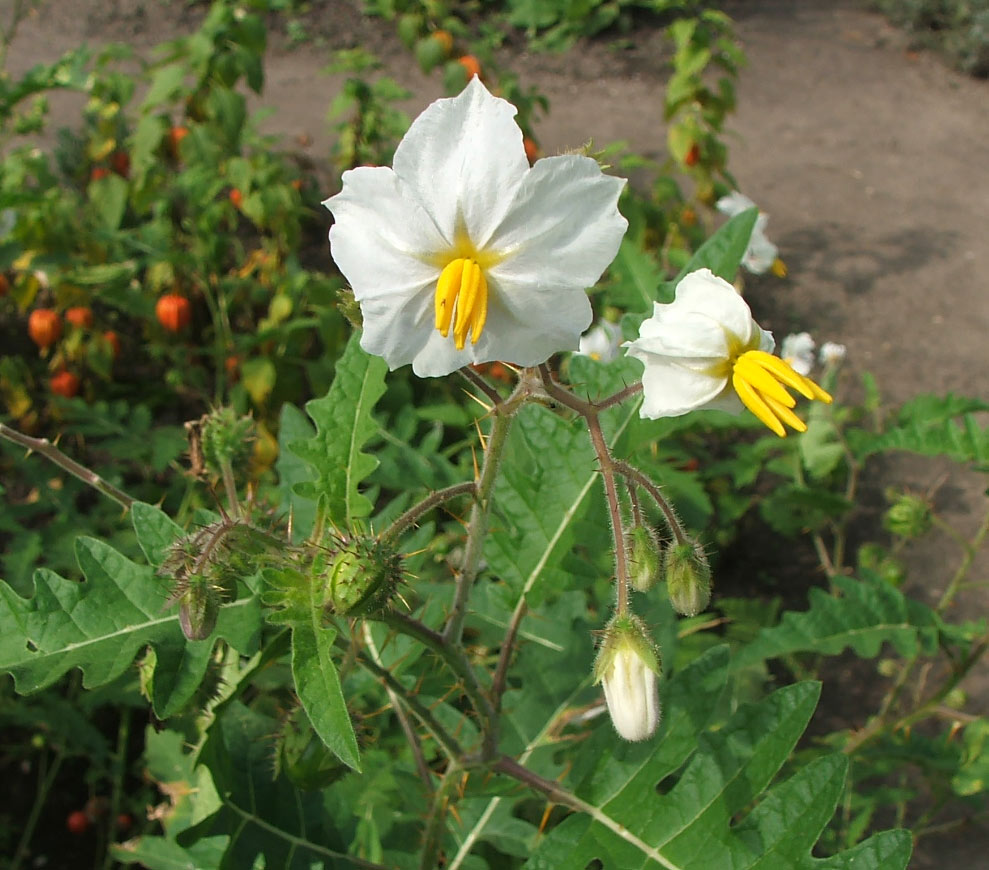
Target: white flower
(797,351)
(602,342)
(704,350)
(627,666)
(761,255)
(462,253)
(832,353)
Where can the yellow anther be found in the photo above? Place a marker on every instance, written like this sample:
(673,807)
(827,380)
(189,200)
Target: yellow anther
(778,268)
(759,379)
(461,289)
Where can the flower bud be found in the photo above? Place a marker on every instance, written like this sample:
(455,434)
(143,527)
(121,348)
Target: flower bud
(908,516)
(688,577)
(644,558)
(199,607)
(227,439)
(627,666)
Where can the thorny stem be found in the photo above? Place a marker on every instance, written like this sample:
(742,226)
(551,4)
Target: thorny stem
(477,526)
(505,654)
(436,823)
(672,520)
(607,465)
(410,735)
(454,657)
(230,485)
(414,513)
(51,452)
(119,766)
(970,548)
(478,381)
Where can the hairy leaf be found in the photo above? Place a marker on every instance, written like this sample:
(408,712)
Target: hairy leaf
(99,625)
(868,613)
(343,426)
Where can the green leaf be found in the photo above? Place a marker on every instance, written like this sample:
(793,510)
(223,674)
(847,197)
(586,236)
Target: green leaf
(868,614)
(100,625)
(637,278)
(640,819)
(931,426)
(108,197)
(293,426)
(318,687)
(344,424)
(791,509)
(723,252)
(269,822)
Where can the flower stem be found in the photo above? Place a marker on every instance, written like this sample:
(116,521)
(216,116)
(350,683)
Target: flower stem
(230,485)
(477,526)
(51,452)
(669,514)
(412,515)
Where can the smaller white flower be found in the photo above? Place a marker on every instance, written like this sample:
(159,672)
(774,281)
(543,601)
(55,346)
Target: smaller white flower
(761,255)
(601,342)
(797,351)
(832,353)
(627,666)
(704,350)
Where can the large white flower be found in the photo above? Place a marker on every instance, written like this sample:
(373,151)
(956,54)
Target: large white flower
(463,254)
(602,342)
(704,350)
(761,255)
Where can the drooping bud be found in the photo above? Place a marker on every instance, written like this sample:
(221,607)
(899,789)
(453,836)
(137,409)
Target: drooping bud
(358,576)
(644,558)
(627,667)
(688,577)
(199,606)
(909,516)
(303,757)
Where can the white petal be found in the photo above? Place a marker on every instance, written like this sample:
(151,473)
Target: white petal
(463,158)
(670,388)
(760,254)
(705,293)
(563,228)
(381,238)
(734,203)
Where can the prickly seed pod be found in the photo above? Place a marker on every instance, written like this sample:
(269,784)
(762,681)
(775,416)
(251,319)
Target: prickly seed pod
(627,666)
(909,516)
(303,757)
(688,577)
(225,438)
(644,557)
(358,576)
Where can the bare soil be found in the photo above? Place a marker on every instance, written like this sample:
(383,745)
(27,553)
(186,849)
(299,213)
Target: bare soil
(872,160)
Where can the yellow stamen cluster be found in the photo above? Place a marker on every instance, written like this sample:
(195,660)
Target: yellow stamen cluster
(760,379)
(462,289)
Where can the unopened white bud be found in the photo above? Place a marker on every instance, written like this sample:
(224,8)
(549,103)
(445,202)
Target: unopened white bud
(627,667)
(832,353)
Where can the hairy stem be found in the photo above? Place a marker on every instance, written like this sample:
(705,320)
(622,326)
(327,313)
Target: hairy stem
(414,513)
(51,452)
(669,514)
(436,822)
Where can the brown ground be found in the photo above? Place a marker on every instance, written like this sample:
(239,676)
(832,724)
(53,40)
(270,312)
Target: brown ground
(872,160)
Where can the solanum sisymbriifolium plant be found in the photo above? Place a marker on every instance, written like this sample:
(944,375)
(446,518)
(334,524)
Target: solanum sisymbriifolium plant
(446,620)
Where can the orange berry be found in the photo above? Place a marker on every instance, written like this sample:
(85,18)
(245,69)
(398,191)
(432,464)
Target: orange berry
(232,367)
(80,316)
(77,822)
(64,384)
(471,65)
(173,312)
(175,137)
(111,338)
(297,183)
(120,161)
(444,38)
(693,155)
(98,172)
(688,217)
(236,197)
(531,149)
(4,284)
(44,327)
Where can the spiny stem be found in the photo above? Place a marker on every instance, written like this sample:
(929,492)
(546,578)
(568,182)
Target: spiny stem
(436,823)
(478,381)
(477,526)
(51,452)
(230,485)
(413,514)
(672,520)
(505,655)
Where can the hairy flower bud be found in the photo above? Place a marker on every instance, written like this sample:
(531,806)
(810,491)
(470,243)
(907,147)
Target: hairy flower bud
(644,558)
(688,577)
(199,607)
(627,666)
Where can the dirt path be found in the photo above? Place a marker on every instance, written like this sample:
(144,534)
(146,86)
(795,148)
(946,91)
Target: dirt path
(872,161)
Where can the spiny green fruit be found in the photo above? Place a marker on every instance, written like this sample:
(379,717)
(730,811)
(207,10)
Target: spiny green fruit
(644,558)
(688,577)
(358,576)
(909,516)
(226,439)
